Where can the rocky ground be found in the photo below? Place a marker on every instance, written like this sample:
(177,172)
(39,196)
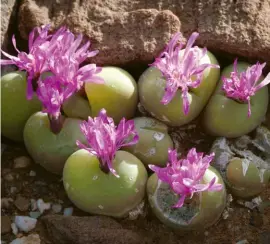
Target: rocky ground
(24,182)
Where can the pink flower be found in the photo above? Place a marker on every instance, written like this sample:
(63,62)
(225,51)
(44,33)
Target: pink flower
(35,62)
(104,138)
(184,176)
(68,72)
(52,94)
(60,53)
(181,70)
(242,86)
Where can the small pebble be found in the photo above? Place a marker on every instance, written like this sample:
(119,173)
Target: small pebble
(22,203)
(14,229)
(33,204)
(21,162)
(35,215)
(68,211)
(8,177)
(13,189)
(5,224)
(32,173)
(56,208)
(242,242)
(42,206)
(5,202)
(30,239)
(25,223)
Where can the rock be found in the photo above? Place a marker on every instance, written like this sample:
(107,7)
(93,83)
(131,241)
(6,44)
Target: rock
(21,162)
(32,173)
(56,208)
(9,177)
(264,237)
(42,206)
(5,224)
(68,212)
(94,229)
(122,34)
(30,239)
(14,229)
(22,203)
(6,202)
(8,14)
(142,28)
(25,223)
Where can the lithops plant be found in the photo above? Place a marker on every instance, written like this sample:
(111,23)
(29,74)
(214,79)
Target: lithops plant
(178,84)
(154,141)
(118,94)
(240,101)
(200,188)
(18,87)
(15,108)
(244,163)
(100,178)
(49,136)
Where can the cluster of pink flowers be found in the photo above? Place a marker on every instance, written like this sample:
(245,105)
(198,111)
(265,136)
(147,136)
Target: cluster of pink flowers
(61,54)
(242,86)
(185,175)
(105,138)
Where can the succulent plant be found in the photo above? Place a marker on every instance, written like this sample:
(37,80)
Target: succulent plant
(50,137)
(77,107)
(118,94)
(154,141)
(180,82)
(239,103)
(244,163)
(100,178)
(200,187)
(16,109)
(48,149)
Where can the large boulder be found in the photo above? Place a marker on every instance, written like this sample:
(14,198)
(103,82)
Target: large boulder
(95,229)
(127,31)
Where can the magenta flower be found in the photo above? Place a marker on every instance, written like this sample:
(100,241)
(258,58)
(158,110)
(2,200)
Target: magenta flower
(181,69)
(104,138)
(35,62)
(242,86)
(52,94)
(184,176)
(60,53)
(68,72)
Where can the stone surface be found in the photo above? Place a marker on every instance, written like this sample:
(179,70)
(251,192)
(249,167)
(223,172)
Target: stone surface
(22,162)
(30,239)
(81,230)
(22,203)
(8,13)
(5,224)
(122,33)
(126,31)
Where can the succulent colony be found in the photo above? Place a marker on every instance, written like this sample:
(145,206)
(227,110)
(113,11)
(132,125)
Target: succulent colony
(77,120)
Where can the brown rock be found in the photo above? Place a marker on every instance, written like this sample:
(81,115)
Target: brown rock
(126,31)
(96,229)
(22,203)
(121,36)
(8,13)
(5,224)
(6,203)
(22,162)
(30,239)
